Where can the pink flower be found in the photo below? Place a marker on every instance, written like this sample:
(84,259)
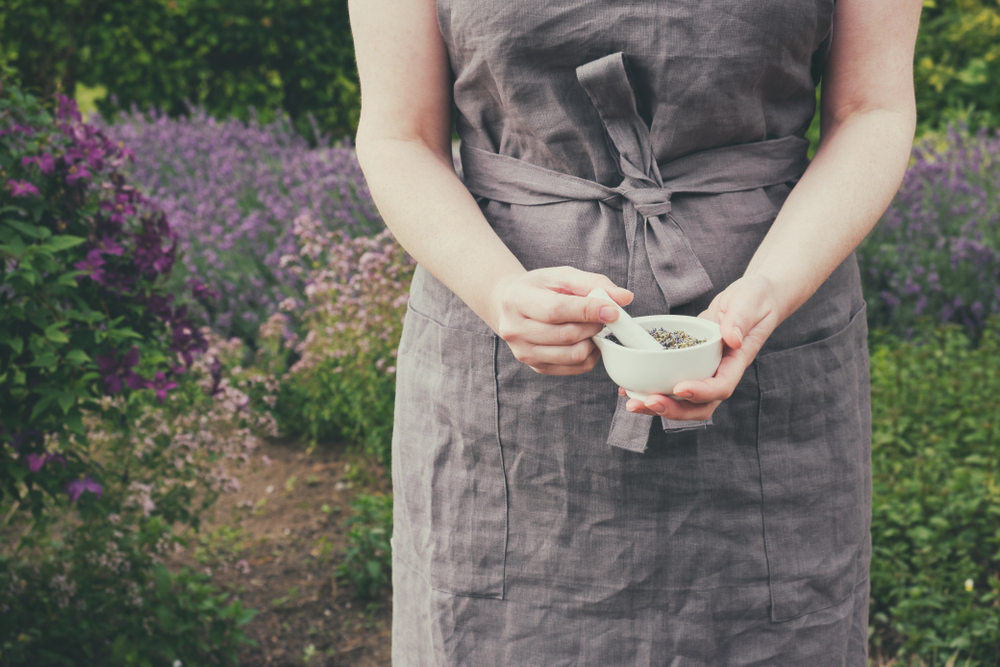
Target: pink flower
(36,461)
(46,163)
(76,488)
(23,189)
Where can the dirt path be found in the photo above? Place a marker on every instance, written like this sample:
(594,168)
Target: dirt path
(278,542)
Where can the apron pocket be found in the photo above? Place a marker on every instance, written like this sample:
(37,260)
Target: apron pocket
(814,448)
(450,518)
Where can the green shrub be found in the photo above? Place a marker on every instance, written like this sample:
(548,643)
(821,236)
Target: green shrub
(957,64)
(92,589)
(222,55)
(343,383)
(936,517)
(85,312)
(368,557)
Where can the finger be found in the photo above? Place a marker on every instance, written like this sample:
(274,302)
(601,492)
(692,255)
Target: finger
(571,281)
(665,406)
(556,355)
(718,387)
(540,333)
(585,366)
(553,308)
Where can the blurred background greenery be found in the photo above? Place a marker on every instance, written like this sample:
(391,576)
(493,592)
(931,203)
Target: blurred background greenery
(227,56)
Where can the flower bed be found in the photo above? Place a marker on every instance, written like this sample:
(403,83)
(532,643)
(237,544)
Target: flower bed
(231,190)
(935,256)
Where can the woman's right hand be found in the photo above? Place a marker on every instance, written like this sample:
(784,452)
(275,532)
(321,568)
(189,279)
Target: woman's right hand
(547,319)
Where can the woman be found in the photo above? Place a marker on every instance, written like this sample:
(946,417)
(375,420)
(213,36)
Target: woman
(648,148)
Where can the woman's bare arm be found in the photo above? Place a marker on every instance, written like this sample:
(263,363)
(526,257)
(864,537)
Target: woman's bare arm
(404,146)
(867,124)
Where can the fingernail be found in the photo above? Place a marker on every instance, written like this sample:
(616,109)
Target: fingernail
(739,334)
(684,394)
(655,407)
(609,314)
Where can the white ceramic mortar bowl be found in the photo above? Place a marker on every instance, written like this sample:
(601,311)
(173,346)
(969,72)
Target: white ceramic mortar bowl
(644,372)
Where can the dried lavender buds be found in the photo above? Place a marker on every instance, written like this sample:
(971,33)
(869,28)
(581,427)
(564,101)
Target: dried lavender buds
(670,340)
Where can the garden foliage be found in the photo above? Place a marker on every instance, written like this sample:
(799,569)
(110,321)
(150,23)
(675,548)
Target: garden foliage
(935,255)
(957,64)
(368,558)
(84,258)
(114,427)
(96,589)
(342,384)
(231,190)
(224,55)
(936,525)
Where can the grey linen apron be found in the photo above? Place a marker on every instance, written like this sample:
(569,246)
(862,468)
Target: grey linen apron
(536,521)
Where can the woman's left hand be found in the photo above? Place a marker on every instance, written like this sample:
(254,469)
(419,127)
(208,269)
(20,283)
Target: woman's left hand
(747,312)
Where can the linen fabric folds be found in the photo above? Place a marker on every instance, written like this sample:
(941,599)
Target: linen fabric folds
(539,523)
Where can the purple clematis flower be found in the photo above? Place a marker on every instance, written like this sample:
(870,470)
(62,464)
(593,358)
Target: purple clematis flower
(116,370)
(27,435)
(93,263)
(162,385)
(119,208)
(67,109)
(201,291)
(46,163)
(76,488)
(23,189)
(36,461)
(76,173)
(108,246)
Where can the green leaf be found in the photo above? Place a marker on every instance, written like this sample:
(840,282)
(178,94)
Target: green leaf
(57,243)
(26,229)
(74,422)
(42,405)
(55,334)
(78,357)
(66,401)
(18,472)
(68,279)
(162,580)
(16,343)
(15,247)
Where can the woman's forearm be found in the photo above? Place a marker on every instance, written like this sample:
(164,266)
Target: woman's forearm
(434,217)
(841,196)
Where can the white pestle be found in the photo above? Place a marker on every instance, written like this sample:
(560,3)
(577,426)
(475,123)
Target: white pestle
(626,329)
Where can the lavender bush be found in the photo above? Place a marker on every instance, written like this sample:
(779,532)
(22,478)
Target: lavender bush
(230,190)
(935,256)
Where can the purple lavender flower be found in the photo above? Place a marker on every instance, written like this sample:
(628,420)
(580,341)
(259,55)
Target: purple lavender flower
(937,250)
(23,189)
(76,488)
(116,370)
(231,190)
